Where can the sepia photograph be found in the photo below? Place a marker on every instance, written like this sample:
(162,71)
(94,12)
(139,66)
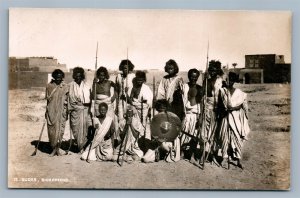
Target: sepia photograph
(149,99)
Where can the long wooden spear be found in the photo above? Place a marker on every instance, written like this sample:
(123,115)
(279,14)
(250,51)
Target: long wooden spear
(228,126)
(95,96)
(127,125)
(154,99)
(204,109)
(37,146)
(126,83)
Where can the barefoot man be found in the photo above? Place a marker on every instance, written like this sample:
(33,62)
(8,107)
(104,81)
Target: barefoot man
(192,97)
(209,121)
(56,110)
(141,97)
(79,105)
(234,127)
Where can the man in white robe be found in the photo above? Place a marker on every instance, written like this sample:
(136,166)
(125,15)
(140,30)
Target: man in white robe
(141,97)
(234,126)
(123,84)
(101,147)
(128,150)
(79,107)
(170,88)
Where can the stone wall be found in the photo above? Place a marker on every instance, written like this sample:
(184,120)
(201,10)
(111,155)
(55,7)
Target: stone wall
(42,61)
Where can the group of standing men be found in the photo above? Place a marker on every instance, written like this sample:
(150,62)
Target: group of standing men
(109,120)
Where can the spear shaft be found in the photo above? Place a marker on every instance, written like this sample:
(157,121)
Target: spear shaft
(95,95)
(204,109)
(127,125)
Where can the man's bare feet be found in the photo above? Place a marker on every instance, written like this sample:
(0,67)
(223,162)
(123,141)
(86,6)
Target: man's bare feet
(136,157)
(225,163)
(216,162)
(58,152)
(193,160)
(53,152)
(128,159)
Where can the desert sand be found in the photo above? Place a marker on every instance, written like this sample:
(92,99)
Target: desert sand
(266,154)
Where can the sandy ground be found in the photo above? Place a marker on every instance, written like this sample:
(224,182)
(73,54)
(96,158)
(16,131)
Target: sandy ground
(266,155)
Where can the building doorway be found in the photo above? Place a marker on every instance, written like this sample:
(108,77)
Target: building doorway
(247,78)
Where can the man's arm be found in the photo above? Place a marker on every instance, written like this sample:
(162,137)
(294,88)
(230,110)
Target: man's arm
(161,94)
(113,91)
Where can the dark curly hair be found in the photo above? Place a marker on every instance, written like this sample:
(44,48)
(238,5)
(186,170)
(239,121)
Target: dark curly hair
(140,74)
(191,71)
(56,72)
(103,104)
(161,103)
(103,69)
(172,62)
(77,70)
(233,76)
(126,62)
(216,67)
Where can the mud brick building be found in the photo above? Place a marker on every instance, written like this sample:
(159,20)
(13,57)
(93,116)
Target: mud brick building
(265,68)
(41,64)
(27,72)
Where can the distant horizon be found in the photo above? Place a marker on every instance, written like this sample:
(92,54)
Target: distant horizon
(148,37)
(159,69)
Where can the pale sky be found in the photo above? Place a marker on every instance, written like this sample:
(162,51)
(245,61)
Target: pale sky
(151,36)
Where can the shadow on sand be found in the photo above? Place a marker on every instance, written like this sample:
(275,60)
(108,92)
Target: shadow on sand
(45,147)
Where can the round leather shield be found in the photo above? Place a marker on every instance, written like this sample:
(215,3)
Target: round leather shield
(165,126)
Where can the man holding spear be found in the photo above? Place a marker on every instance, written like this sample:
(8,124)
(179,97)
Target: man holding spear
(101,147)
(141,97)
(104,92)
(123,84)
(130,125)
(212,83)
(192,99)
